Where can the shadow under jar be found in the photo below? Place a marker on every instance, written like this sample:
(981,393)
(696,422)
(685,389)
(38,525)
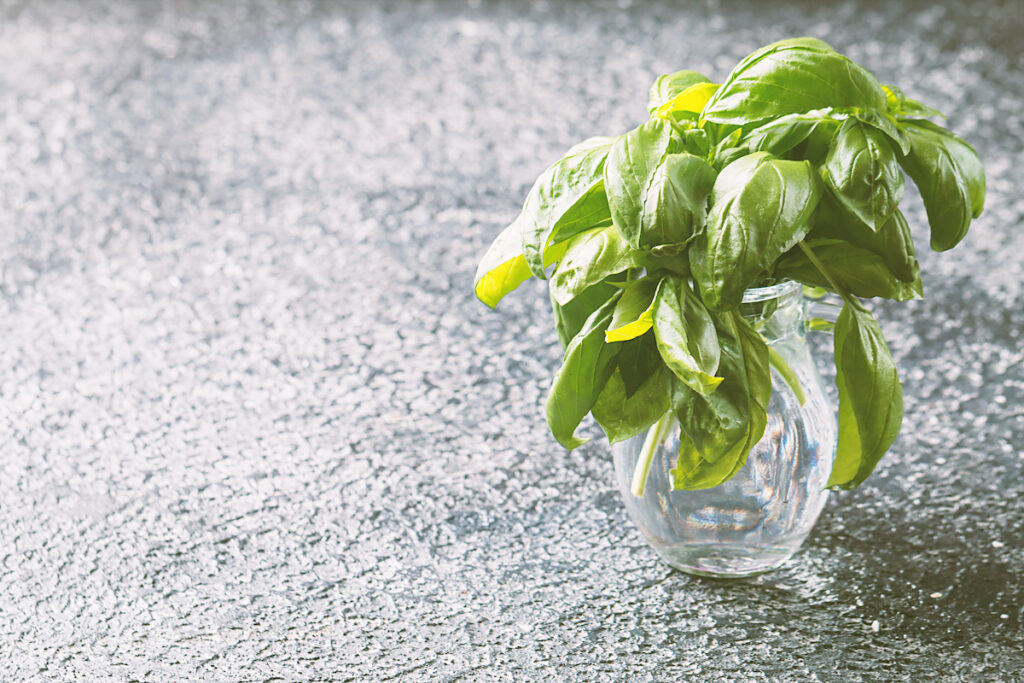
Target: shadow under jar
(756,520)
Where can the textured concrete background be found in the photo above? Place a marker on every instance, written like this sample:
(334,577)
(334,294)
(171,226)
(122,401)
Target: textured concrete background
(254,426)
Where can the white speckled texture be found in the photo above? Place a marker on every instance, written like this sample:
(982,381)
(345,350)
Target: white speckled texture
(254,426)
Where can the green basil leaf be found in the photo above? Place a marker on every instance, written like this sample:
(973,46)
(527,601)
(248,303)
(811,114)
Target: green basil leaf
(697,142)
(776,137)
(670,257)
(722,427)
(884,123)
(870,397)
(566,199)
(692,472)
(622,414)
(675,201)
(569,319)
(632,163)
(760,209)
(892,242)
(686,335)
(589,259)
(815,147)
(965,158)
(637,359)
(586,366)
(634,313)
(862,171)
(950,178)
(896,247)
(792,76)
(667,86)
(858,271)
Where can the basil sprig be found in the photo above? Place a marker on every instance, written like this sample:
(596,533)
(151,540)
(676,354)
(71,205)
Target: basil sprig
(791,169)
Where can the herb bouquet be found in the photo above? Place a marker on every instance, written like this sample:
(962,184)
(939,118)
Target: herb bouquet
(792,169)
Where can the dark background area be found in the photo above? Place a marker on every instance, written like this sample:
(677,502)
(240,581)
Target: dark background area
(255,426)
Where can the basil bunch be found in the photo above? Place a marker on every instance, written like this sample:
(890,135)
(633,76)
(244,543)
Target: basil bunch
(792,169)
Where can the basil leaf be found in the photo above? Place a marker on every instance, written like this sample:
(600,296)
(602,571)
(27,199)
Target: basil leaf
(637,359)
(589,259)
(566,199)
(667,86)
(722,427)
(632,164)
(858,271)
(862,171)
(670,257)
(896,247)
(586,366)
(674,201)
(885,124)
(569,319)
(777,137)
(892,242)
(870,397)
(503,267)
(692,472)
(697,142)
(634,313)
(950,178)
(686,335)
(792,76)
(760,208)
(623,415)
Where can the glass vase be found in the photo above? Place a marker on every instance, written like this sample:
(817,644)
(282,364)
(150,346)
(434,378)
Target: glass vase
(756,520)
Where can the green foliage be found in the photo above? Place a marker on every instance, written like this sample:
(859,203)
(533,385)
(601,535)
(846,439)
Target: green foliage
(789,77)
(566,199)
(760,208)
(586,366)
(633,162)
(792,169)
(590,258)
(870,396)
(722,427)
(948,173)
(862,172)
(675,201)
(856,270)
(686,335)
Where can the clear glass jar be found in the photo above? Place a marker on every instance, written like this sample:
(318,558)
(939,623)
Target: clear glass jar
(755,521)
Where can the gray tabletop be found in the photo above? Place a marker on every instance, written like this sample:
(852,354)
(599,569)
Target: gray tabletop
(255,426)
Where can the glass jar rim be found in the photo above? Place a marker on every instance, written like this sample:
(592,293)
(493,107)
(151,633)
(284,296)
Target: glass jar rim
(755,294)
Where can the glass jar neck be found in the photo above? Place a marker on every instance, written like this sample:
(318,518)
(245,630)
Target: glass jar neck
(775,312)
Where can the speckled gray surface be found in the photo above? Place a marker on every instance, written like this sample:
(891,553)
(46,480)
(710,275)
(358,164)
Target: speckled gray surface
(255,427)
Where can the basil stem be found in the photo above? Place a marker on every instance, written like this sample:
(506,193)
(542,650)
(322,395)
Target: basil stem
(655,437)
(809,253)
(780,364)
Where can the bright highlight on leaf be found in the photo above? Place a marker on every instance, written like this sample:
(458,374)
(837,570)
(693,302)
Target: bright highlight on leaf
(633,314)
(503,267)
(690,100)
(632,329)
(668,86)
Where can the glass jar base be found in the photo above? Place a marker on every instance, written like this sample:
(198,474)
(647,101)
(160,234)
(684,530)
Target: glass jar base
(725,561)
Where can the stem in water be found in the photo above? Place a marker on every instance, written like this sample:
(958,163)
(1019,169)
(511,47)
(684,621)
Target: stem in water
(655,436)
